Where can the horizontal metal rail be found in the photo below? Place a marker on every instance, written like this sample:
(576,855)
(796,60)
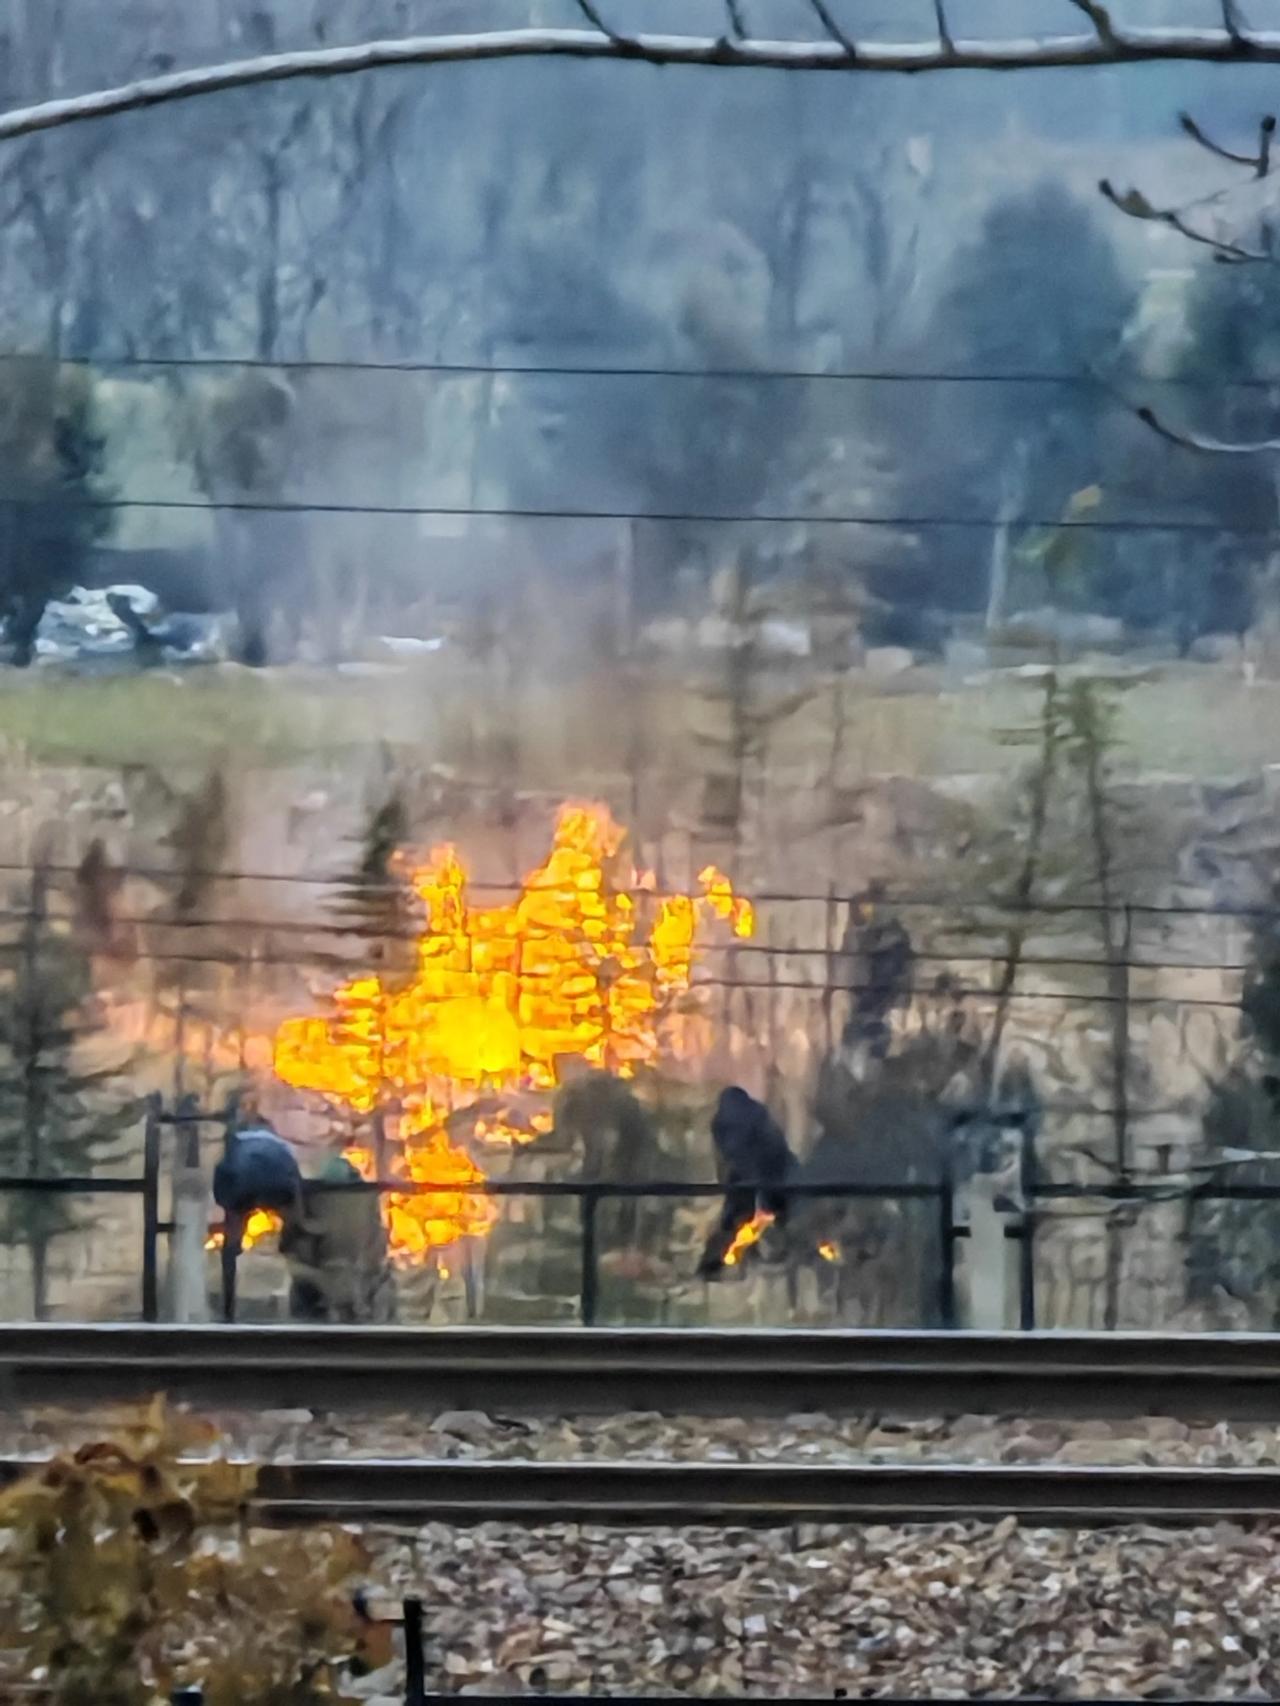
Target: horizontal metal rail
(601,1371)
(421,1490)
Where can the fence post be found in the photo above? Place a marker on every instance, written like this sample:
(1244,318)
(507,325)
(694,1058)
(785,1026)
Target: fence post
(151,1210)
(588,1202)
(1118,991)
(947,1243)
(186,1287)
(415,1669)
(232,1224)
(232,1240)
(1027,1182)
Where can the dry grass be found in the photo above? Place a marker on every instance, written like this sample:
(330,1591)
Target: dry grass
(1193,721)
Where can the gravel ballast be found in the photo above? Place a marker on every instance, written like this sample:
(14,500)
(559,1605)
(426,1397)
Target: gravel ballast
(287,1435)
(919,1610)
(939,1609)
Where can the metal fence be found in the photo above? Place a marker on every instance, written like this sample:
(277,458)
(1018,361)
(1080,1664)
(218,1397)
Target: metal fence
(1038,1198)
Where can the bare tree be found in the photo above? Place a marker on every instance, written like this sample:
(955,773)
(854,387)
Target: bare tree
(1250,314)
(1188,218)
(1104,42)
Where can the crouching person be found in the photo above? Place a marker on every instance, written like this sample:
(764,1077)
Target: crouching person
(336,1251)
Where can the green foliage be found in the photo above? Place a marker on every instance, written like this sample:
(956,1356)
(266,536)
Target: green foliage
(376,904)
(57,1118)
(199,840)
(237,435)
(1090,712)
(240,438)
(129,1569)
(1261,997)
(1037,290)
(1063,840)
(1061,554)
(1246,1108)
(1236,1245)
(51,456)
(1233,332)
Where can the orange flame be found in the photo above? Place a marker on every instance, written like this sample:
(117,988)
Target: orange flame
(829,1250)
(749,1233)
(499,998)
(419,1223)
(261,1224)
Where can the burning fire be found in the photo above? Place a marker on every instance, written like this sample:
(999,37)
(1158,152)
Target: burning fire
(416,1224)
(829,1250)
(579,966)
(262,1223)
(749,1233)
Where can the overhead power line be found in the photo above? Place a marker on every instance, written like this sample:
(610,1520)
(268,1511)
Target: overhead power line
(746,947)
(570,370)
(957,902)
(773,518)
(950,992)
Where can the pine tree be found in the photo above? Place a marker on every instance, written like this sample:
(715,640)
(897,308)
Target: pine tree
(375,903)
(56,1119)
(1037,288)
(194,987)
(1234,1246)
(51,458)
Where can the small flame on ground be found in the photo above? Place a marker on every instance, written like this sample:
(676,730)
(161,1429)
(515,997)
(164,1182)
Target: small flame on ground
(261,1224)
(829,1250)
(749,1233)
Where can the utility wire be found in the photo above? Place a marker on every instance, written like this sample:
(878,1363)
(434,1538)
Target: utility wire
(884,902)
(748,946)
(564,370)
(951,991)
(900,523)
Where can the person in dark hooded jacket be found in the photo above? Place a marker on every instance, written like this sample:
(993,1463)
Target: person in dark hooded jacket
(752,1157)
(257,1170)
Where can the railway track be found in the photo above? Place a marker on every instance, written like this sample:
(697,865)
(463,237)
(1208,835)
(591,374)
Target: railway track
(748,1494)
(600,1371)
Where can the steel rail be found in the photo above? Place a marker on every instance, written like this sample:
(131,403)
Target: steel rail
(601,1371)
(419,1490)
(762,1494)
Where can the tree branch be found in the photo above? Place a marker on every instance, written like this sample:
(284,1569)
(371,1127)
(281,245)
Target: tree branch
(1205,446)
(945,40)
(1120,47)
(1261,161)
(1100,18)
(1136,206)
(1222,249)
(833,29)
(1233,23)
(592,15)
